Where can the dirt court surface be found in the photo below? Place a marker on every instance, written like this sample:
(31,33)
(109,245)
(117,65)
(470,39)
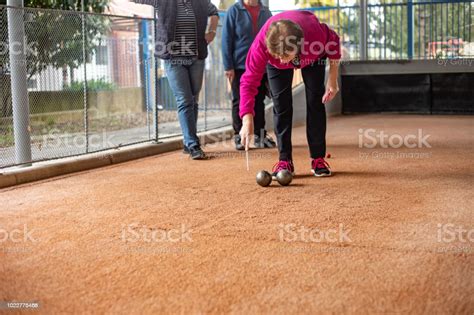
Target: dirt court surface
(390,233)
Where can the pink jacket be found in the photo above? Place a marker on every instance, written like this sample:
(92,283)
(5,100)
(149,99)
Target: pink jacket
(319,41)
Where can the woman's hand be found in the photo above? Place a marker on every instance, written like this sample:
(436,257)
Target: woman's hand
(331,90)
(230,74)
(210,37)
(332,87)
(247,130)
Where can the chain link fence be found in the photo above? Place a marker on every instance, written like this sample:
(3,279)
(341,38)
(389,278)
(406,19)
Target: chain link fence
(93,84)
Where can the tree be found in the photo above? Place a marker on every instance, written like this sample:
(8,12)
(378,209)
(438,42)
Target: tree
(315,3)
(55,38)
(225,4)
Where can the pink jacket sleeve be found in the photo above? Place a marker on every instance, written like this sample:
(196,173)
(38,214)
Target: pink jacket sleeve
(333,45)
(255,66)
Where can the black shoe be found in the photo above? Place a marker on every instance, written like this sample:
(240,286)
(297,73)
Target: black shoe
(320,167)
(238,143)
(185,150)
(196,153)
(265,142)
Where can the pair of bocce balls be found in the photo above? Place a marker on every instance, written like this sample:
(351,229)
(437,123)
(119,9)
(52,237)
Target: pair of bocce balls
(284,178)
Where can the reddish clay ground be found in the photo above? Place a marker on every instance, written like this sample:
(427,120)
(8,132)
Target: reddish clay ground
(398,257)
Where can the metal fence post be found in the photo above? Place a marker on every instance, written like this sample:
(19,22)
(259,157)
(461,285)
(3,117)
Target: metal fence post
(19,87)
(363,38)
(205,99)
(155,59)
(84,57)
(410,29)
(339,28)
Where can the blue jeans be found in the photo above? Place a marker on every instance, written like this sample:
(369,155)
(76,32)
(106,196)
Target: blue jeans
(185,79)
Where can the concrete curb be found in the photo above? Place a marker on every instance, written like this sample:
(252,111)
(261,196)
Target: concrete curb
(45,170)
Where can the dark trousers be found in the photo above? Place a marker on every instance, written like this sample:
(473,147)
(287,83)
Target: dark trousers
(281,87)
(259,119)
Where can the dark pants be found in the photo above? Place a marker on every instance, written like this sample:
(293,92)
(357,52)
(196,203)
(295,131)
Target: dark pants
(281,88)
(259,119)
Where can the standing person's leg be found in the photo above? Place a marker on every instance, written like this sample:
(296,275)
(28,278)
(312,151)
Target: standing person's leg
(313,77)
(261,138)
(180,83)
(280,84)
(236,120)
(259,119)
(196,73)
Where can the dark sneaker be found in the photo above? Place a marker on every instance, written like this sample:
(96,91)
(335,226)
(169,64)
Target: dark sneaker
(320,167)
(185,150)
(238,143)
(282,165)
(196,153)
(265,142)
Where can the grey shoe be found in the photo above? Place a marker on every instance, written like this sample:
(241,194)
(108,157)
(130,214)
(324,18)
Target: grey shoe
(265,142)
(196,153)
(238,143)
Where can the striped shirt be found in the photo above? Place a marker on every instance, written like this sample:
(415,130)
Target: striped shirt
(185,33)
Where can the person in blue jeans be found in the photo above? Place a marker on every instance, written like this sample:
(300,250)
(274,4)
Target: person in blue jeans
(181,38)
(243,21)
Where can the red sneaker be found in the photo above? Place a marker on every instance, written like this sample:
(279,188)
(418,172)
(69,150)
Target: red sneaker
(283,165)
(320,167)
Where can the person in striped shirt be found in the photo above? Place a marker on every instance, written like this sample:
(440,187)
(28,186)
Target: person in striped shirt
(184,29)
